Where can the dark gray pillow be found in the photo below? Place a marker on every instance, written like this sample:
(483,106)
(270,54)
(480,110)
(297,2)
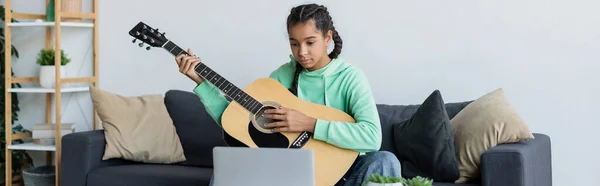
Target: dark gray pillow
(425,142)
(197,131)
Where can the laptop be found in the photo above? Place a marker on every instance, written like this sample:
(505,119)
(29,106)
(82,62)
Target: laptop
(235,166)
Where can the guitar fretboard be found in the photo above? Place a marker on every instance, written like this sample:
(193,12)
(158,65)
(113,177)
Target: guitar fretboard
(226,87)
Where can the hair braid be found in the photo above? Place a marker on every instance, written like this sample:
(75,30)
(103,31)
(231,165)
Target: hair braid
(294,87)
(337,40)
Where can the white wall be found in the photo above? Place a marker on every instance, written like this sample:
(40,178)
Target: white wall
(542,52)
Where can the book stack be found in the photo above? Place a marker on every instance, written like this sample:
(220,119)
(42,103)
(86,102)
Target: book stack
(44,134)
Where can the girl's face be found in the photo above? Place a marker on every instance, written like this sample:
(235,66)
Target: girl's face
(308,45)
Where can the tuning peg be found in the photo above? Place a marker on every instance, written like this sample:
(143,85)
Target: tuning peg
(141,44)
(148,48)
(134,40)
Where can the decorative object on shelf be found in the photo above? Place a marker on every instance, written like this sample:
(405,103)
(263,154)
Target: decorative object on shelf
(73,6)
(50,11)
(40,176)
(20,159)
(44,134)
(47,69)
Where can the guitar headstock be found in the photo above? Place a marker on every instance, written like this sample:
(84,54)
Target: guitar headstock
(148,35)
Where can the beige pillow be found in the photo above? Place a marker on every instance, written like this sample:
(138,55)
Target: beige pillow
(137,128)
(486,122)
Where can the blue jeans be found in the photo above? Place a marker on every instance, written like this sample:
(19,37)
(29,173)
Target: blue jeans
(381,162)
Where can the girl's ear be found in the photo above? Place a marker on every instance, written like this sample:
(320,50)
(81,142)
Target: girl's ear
(329,37)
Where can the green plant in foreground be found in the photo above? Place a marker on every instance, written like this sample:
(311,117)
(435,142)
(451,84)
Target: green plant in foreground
(416,181)
(376,178)
(419,181)
(46,57)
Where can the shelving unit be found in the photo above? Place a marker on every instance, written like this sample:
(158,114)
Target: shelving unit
(52,93)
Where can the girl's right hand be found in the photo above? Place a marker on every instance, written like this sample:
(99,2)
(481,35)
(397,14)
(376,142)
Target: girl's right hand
(187,66)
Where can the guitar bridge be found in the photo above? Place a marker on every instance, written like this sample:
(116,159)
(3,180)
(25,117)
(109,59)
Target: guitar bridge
(301,140)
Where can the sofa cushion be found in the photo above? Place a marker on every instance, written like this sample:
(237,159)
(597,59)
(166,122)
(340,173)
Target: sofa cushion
(494,121)
(425,142)
(137,128)
(197,131)
(390,114)
(149,175)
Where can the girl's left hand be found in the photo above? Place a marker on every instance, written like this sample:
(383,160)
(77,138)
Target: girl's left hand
(290,120)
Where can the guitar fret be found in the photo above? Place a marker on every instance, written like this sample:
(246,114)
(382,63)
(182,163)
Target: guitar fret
(235,94)
(224,81)
(245,99)
(178,53)
(209,77)
(252,104)
(219,82)
(255,106)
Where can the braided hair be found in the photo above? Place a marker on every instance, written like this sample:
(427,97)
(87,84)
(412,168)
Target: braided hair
(323,22)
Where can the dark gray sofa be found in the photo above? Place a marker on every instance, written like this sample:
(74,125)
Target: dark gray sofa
(519,164)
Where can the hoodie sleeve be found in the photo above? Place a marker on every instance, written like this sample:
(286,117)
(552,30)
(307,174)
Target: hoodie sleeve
(365,134)
(214,102)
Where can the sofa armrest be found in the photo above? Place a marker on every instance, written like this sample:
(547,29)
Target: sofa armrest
(81,153)
(518,164)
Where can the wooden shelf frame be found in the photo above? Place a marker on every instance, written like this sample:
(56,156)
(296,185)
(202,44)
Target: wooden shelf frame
(56,92)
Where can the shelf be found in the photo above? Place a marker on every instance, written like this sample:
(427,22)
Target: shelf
(32,146)
(64,24)
(49,90)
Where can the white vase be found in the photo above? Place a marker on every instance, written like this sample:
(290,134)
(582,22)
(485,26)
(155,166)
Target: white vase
(48,77)
(383,184)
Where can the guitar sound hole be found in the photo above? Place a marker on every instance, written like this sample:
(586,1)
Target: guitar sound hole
(261,139)
(261,135)
(262,121)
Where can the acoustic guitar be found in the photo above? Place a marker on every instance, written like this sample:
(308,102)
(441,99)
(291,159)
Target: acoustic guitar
(242,118)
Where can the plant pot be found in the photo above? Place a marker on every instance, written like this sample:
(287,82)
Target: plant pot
(383,184)
(48,77)
(39,176)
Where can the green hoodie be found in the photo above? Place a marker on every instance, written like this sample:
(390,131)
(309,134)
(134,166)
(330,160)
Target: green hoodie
(339,85)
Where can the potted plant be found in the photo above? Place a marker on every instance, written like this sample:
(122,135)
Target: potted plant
(47,69)
(378,180)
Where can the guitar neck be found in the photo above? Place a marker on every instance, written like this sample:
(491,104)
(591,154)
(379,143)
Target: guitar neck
(226,87)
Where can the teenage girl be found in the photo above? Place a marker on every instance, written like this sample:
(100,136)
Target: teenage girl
(318,77)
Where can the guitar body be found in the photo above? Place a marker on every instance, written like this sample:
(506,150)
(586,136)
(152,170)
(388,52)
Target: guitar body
(331,162)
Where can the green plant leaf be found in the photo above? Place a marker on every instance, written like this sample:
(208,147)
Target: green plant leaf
(46,57)
(376,178)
